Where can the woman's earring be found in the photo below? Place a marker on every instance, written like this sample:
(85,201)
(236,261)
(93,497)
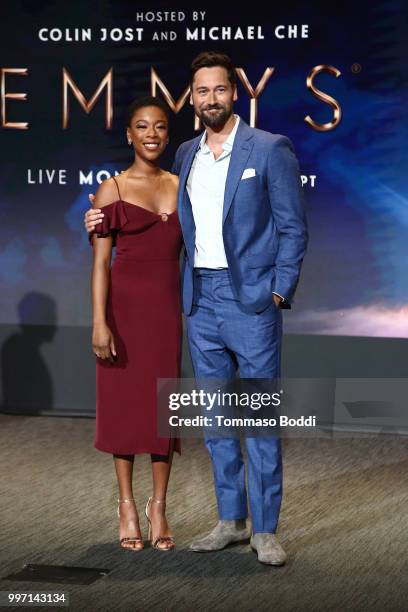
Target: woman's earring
(129,141)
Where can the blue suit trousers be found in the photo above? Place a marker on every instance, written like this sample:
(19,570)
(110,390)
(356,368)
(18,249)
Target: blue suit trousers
(221,337)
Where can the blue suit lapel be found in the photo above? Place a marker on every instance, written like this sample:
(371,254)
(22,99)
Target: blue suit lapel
(183,198)
(241,150)
(185,212)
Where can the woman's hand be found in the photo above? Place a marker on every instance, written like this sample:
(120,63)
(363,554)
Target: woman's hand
(93,216)
(103,342)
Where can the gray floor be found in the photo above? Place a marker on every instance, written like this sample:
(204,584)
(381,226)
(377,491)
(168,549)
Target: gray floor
(344,524)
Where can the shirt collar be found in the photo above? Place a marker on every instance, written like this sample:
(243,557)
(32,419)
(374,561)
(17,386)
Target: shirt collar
(227,145)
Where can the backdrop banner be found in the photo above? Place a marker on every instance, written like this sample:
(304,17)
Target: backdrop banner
(334,81)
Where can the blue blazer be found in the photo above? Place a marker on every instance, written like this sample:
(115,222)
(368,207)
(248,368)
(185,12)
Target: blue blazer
(264,224)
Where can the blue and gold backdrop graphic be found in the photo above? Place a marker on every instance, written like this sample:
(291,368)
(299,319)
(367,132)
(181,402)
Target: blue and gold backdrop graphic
(354,281)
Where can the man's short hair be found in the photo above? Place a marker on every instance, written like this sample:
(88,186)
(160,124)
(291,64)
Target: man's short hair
(209,59)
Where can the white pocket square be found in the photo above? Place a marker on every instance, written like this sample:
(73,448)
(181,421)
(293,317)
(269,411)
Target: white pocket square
(247,173)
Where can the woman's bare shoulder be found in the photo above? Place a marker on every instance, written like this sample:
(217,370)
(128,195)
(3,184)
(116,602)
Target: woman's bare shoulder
(107,193)
(173,178)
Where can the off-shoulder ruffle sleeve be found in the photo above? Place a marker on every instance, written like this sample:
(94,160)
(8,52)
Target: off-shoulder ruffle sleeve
(113,221)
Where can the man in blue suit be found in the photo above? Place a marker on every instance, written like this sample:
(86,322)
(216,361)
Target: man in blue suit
(241,212)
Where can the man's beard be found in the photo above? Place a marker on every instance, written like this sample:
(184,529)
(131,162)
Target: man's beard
(218,120)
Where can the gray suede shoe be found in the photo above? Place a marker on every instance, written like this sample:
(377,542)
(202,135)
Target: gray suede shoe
(268,548)
(224,533)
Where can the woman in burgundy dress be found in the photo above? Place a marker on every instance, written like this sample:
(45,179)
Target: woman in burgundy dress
(137,316)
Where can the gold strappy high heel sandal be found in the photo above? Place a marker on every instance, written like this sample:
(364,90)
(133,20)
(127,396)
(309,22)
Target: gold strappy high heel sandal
(169,540)
(132,538)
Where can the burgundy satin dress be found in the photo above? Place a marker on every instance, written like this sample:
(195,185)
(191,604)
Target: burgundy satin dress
(144,315)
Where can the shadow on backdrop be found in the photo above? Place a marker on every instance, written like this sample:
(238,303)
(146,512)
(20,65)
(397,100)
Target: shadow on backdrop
(26,380)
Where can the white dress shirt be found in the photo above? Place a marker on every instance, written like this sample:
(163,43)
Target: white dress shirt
(206,187)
